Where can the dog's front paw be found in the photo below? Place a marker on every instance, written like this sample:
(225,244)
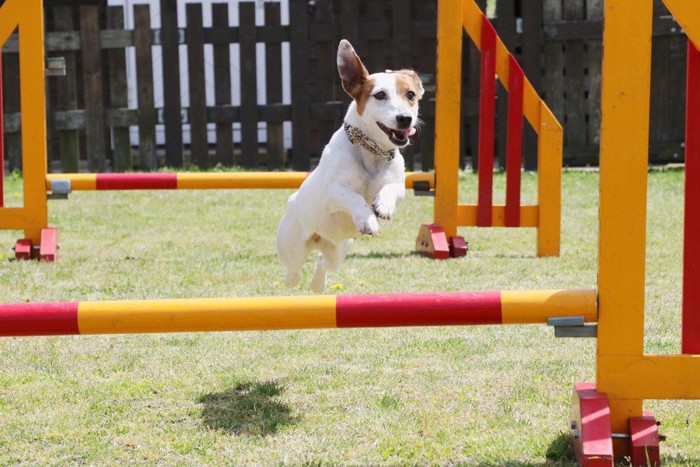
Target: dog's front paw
(368,225)
(382,209)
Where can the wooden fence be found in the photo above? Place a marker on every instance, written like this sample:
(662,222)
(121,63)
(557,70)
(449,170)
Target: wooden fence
(557,42)
(559,45)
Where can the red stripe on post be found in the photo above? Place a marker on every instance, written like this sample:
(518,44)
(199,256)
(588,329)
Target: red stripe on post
(487,116)
(691,250)
(39,319)
(156,181)
(429,309)
(514,144)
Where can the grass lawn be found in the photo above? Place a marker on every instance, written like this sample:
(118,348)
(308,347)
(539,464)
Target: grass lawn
(483,395)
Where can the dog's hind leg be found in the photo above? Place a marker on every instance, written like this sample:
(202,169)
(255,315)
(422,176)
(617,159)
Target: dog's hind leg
(293,247)
(330,259)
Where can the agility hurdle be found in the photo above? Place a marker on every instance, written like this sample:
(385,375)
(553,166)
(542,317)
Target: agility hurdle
(304,312)
(41,241)
(440,240)
(64,183)
(32,217)
(607,417)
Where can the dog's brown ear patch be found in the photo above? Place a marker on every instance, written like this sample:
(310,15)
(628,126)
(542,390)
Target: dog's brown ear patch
(410,80)
(353,73)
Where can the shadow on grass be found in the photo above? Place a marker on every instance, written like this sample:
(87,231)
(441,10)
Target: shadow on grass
(383,255)
(247,409)
(560,451)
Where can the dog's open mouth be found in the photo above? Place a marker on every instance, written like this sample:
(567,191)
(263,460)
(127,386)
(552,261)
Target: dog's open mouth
(398,137)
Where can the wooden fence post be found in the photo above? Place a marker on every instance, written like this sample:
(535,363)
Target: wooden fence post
(300,97)
(94,95)
(67,94)
(249,94)
(199,146)
(10,84)
(531,11)
(273,67)
(172,108)
(143,40)
(118,93)
(222,87)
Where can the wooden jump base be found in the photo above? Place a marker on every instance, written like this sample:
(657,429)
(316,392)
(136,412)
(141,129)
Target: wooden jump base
(301,312)
(200,181)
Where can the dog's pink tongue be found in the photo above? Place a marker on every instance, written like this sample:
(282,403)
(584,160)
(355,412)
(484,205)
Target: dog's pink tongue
(410,132)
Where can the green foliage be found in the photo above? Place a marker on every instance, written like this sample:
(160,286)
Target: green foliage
(472,396)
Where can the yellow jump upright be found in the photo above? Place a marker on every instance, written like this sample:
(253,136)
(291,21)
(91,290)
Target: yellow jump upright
(32,217)
(608,420)
(496,63)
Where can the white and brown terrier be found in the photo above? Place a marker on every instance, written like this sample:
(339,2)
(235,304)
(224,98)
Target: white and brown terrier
(360,176)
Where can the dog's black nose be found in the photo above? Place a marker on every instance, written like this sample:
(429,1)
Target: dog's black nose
(403,121)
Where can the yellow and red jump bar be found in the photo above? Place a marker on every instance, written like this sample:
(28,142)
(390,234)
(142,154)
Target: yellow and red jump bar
(297,312)
(198,181)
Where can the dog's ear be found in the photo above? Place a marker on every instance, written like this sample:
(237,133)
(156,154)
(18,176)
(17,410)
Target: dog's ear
(353,73)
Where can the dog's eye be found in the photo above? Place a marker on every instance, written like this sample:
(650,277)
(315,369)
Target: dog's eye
(411,95)
(381,95)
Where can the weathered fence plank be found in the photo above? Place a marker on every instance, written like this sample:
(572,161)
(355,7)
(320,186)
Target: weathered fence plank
(66,88)
(222,88)
(505,12)
(324,78)
(298,38)
(13,140)
(172,107)
(199,146)
(273,64)
(143,40)
(594,60)
(118,93)
(94,94)
(531,15)
(424,43)
(249,97)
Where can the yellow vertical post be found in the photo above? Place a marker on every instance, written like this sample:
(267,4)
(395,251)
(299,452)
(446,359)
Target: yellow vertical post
(33,101)
(623,193)
(550,150)
(447,111)
(29,17)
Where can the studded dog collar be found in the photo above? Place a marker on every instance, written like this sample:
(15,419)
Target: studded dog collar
(358,137)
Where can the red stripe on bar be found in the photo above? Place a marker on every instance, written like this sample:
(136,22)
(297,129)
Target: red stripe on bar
(487,116)
(691,251)
(145,181)
(429,309)
(514,144)
(39,319)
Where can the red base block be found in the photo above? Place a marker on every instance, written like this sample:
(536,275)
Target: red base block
(458,247)
(432,242)
(23,249)
(590,424)
(644,441)
(48,250)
